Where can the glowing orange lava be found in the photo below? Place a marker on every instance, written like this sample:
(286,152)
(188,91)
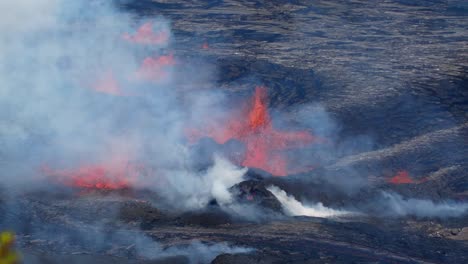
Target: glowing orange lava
(264,144)
(402,177)
(155,69)
(110,176)
(145,35)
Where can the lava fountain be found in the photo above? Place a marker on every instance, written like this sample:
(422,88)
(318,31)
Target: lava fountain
(107,176)
(265,144)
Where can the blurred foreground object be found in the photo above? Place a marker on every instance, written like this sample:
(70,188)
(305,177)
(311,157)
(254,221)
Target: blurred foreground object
(7,253)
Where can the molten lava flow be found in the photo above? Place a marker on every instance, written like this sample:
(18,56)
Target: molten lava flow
(155,69)
(108,84)
(145,35)
(402,177)
(264,144)
(110,176)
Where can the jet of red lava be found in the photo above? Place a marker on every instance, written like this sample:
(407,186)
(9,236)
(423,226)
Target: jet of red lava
(145,35)
(264,144)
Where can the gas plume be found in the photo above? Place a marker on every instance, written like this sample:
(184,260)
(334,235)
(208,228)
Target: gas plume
(293,207)
(397,205)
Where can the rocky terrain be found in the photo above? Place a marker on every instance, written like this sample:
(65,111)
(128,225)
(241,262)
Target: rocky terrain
(393,77)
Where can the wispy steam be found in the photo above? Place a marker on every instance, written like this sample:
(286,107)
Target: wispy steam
(146,248)
(124,242)
(395,204)
(293,207)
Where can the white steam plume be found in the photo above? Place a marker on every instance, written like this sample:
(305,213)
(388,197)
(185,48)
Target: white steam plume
(293,207)
(191,190)
(221,177)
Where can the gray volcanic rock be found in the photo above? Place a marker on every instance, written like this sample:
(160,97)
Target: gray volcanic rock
(245,258)
(255,192)
(50,258)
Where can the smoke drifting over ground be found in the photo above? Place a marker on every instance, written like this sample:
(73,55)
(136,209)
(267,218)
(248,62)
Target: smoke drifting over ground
(395,204)
(97,238)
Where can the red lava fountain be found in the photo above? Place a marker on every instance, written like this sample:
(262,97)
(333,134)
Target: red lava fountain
(145,35)
(402,177)
(108,176)
(264,144)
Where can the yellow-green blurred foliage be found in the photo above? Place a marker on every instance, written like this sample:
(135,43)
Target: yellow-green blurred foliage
(8,254)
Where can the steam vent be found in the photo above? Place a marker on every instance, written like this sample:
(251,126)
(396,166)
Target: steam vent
(233,131)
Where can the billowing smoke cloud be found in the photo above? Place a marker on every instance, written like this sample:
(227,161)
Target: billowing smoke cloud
(293,207)
(396,205)
(49,112)
(38,14)
(90,94)
(192,190)
(90,97)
